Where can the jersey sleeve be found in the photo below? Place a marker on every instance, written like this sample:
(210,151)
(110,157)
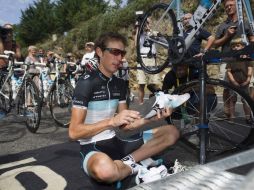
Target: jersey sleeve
(82,92)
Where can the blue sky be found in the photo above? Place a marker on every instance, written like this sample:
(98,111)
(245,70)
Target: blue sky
(10,10)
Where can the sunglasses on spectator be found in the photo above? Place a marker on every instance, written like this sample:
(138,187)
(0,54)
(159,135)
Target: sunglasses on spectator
(115,51)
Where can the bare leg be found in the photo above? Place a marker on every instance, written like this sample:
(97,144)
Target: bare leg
(163,137)
(102,168)
(226,101)
(232,102)
(141,93)
(246,109)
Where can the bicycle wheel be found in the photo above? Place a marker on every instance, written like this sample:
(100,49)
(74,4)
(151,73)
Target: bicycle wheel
(224,133)
(158,43)
(60,102)
(6,93)
(31,105)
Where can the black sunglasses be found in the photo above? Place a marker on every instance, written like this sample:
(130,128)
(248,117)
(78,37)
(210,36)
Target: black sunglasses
(116,51)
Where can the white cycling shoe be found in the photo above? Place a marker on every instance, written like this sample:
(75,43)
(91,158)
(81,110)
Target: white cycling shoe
(166,100)
(148,175)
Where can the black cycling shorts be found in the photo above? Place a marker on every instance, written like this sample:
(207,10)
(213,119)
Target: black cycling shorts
(115,148)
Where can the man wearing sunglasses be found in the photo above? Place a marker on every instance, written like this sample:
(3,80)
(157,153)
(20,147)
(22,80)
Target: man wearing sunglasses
(99,107)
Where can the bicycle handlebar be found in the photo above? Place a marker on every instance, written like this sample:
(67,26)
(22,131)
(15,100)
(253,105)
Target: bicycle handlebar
(7,52)
(4,56)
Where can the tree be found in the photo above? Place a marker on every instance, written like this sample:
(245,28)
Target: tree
(37,22)
(118,4)
(70,13)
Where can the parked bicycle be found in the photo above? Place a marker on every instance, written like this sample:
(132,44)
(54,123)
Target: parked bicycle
(19,91)
(55,91)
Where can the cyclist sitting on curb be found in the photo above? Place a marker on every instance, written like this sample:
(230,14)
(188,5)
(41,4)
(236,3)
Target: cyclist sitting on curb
(97,97)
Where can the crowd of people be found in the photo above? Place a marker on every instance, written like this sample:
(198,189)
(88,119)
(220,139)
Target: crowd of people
(99,100)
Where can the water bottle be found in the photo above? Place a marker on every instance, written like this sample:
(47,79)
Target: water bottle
(200,11)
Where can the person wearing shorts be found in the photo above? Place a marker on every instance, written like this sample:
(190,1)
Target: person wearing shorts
(99,108)
(148,54)
(239,74)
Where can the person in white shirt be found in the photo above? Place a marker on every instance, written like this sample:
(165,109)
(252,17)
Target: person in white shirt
(89,53)
(148,53)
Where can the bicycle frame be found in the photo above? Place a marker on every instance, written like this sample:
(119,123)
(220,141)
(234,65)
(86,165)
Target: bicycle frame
(11,73)
(179,12)
(57,78)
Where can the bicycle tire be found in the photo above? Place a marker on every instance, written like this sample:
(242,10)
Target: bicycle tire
(60,104)
(5,104)
(166,31)
(32,112)
(223,133)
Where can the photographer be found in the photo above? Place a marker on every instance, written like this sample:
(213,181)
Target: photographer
(148,53)
(8,43)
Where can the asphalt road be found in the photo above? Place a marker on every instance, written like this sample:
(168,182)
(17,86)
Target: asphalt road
(15,139)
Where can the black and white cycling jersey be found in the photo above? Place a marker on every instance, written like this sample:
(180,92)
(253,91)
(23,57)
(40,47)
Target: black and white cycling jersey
(100,95)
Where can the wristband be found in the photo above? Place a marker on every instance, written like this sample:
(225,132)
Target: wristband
(203,51)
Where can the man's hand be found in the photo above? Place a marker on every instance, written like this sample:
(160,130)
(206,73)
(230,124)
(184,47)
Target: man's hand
(246,83)
(231,31)
(163,113)
(125,117)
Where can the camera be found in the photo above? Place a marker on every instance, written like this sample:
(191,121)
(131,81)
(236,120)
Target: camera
(4,32)
(139,15)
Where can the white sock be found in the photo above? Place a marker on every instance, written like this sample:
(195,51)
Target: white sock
(129,161)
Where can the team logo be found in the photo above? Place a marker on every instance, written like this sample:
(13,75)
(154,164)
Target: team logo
(86,76)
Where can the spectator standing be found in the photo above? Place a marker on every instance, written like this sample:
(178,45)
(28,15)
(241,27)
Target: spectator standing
(224,34)
(239,74)
(30,59)
(148,53)
(227,30)
(7,42)
(89,53)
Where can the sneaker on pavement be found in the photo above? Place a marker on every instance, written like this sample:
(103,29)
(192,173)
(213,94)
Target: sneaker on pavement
(167,100)
(148,175)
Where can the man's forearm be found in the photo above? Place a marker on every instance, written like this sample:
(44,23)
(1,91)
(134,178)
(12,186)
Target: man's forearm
(77,131)
(209,43)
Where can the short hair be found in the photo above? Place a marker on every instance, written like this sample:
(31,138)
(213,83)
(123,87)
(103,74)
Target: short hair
(89,44)
(105,38)
(31,48)
(237,40)
(224,1)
